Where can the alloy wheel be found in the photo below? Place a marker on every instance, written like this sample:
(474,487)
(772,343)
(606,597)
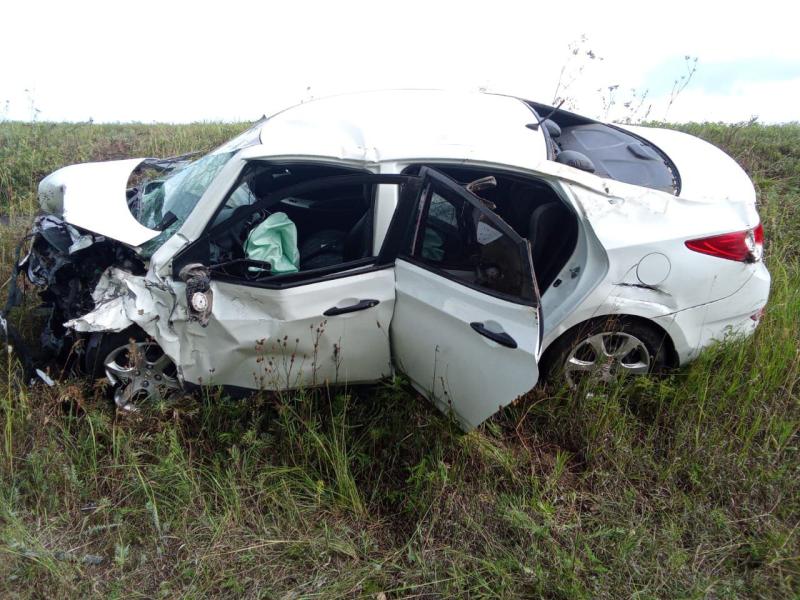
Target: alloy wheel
(605,357)
(142,373)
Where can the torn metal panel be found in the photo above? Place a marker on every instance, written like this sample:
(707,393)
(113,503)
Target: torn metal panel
(122,299)
(110,313)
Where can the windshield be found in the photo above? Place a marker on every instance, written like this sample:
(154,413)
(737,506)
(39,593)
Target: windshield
(165,203)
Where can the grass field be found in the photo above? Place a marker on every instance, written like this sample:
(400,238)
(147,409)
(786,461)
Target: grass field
(685,487)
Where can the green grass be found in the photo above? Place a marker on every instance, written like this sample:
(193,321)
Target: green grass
(681,487)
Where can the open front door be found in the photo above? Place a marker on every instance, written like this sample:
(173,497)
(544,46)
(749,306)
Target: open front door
(467,325)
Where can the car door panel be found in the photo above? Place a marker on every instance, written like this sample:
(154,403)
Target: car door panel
(447,360)
(465,345)
(281,338)
(307,328)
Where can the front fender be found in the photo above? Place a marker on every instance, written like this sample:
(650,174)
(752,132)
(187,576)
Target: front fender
(122,299)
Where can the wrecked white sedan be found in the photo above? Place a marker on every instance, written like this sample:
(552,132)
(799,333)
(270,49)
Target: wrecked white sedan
(473,242)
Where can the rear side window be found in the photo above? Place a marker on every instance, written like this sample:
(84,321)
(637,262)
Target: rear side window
(469,244)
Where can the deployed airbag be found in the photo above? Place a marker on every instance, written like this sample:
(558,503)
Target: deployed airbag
(274,241)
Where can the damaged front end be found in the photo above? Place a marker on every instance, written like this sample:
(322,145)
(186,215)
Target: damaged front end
(65,264)
(66,260)
(88,254)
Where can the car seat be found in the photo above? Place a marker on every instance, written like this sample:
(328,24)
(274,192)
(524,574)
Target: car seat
(331,246)
(552,233)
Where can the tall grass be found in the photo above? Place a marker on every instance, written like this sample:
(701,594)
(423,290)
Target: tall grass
(687,486)
(29,151)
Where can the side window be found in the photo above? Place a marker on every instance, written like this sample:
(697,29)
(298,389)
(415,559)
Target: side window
(241,196)
(440,227)
(443,210)
(321,227)
(466,242)
(259,180)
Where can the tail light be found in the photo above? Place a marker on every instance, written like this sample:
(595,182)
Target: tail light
(742,246)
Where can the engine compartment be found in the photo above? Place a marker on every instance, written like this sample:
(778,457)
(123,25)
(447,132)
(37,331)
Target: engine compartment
(65,264)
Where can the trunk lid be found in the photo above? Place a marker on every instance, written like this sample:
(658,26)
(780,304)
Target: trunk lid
(706,172)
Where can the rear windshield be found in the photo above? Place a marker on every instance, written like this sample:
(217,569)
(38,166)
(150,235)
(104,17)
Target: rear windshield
(614,153)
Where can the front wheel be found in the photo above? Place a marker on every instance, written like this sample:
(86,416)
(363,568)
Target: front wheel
(136,366)
(603,351)
(142,374)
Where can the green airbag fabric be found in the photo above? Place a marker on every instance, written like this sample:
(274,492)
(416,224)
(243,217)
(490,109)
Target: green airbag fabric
(274,240)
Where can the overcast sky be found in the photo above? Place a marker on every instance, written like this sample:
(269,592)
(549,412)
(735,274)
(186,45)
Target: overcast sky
(230,60)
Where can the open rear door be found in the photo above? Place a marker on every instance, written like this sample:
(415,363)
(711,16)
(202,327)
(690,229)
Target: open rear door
(467,325)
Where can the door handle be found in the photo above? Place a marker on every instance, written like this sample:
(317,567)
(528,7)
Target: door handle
(362,305)
(501,338)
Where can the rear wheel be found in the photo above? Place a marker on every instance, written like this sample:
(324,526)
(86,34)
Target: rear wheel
(603,351)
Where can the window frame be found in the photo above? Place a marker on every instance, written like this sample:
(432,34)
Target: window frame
(243,173)
(197,251)
(432,178)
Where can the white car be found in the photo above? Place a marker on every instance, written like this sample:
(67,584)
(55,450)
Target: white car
(474,242)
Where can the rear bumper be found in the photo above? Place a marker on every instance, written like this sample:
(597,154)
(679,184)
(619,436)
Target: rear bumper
(737,315)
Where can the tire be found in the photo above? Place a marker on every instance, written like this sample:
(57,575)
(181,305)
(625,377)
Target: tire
(605,349)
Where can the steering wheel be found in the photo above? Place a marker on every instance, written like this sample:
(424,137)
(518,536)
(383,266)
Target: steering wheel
(250,223)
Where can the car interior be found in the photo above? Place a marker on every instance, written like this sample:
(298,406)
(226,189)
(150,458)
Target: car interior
(334,225)
(532,209)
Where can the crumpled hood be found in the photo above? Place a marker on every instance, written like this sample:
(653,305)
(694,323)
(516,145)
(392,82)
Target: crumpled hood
(92,196)
(706,172)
